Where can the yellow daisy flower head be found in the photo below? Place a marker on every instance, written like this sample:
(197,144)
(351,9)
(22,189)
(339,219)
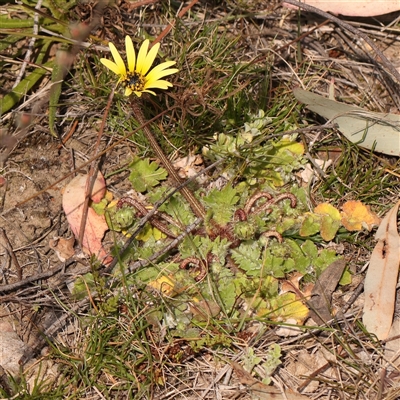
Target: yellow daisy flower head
(139,78)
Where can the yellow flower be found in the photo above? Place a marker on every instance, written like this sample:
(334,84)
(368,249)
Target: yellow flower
(139,78)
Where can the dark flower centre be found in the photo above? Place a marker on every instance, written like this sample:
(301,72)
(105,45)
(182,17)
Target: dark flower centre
(134,81)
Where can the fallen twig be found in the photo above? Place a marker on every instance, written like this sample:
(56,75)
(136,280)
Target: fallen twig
(37,277)
(10,250)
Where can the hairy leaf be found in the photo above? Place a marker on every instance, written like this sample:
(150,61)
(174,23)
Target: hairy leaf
(247,256)
(145,174)
(220,203)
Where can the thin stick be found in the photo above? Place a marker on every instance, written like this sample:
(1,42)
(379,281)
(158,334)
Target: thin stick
(143,263)
(141,3)
(151,213)
(43,275)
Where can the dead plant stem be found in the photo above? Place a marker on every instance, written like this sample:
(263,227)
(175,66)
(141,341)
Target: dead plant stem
(197,208)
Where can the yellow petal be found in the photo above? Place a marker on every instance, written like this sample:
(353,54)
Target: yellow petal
(118,59)
(141,59)
(130,54)
(165,64)
(111,66)
(160,84)
(138,94)
(128,91)
(151,56)
(161,70)
(148,91)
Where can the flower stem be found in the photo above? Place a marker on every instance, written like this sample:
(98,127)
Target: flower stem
(197,208)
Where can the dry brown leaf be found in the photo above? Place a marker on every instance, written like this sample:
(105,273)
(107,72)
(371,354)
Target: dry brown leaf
(292,284)
(381,279)
(321,296)
(203,310)
(302,366)
(189,166)
(289,330)
(64,248)
(96,226)
(12,348)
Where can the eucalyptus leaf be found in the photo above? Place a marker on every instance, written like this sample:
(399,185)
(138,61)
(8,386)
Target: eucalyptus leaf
(375,131)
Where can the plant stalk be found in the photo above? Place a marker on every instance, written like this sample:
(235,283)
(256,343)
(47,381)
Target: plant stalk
(197,208)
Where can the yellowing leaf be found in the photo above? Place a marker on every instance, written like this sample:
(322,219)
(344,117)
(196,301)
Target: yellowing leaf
(284,307)
(356,215)
(329,227)
(276,178)
(328,209)
(292,308)
(310,225)
(148,232)
(164,285)
(330,220)
(346,278)
(293,147)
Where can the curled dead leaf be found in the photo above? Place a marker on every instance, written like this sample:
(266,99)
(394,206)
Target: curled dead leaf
(321,295)
(64,248)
